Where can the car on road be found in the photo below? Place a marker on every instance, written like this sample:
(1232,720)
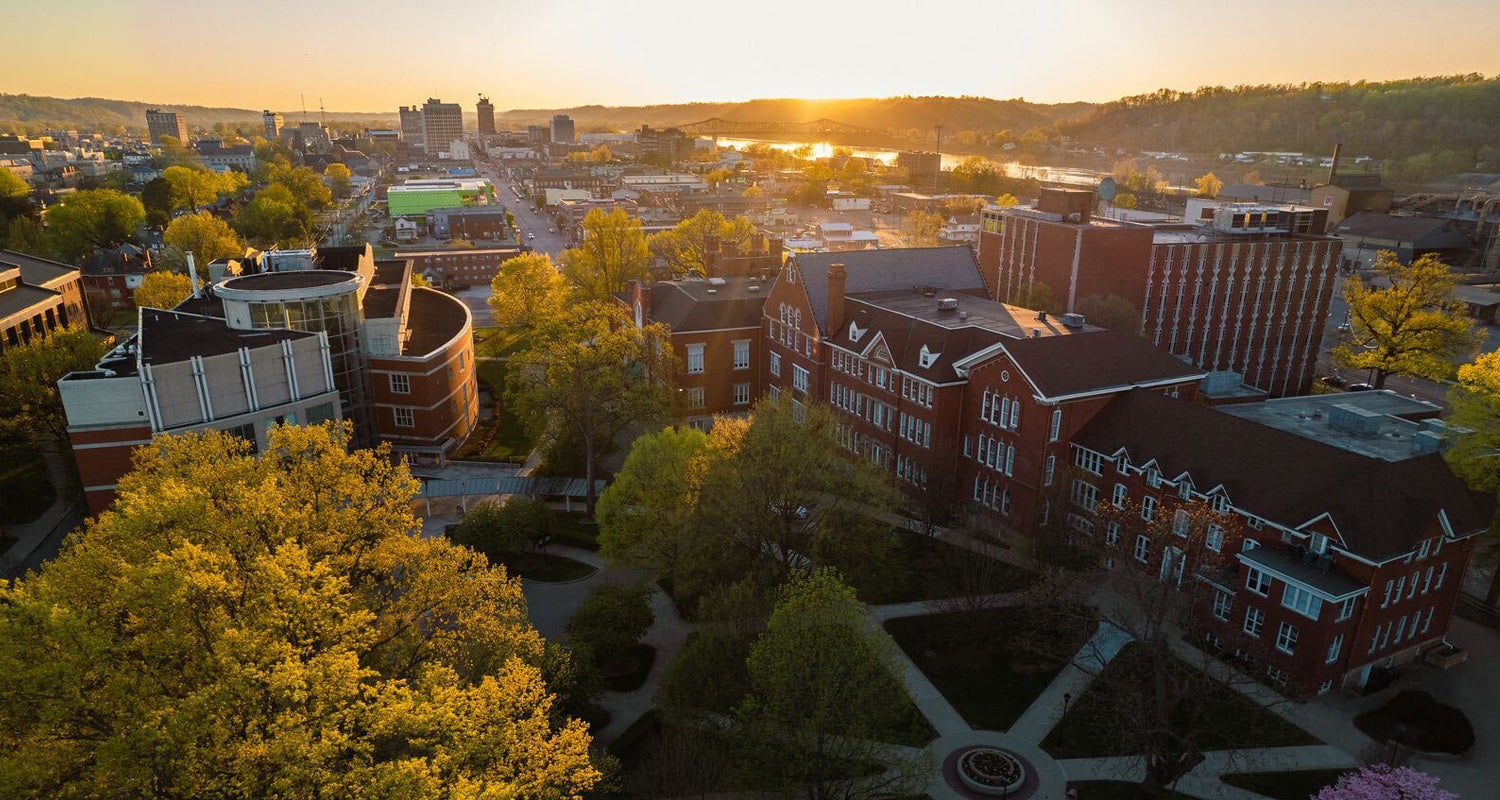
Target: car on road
(1344,327)
(531,236)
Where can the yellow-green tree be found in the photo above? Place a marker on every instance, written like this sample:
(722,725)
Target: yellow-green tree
(613,251)
(527,292)
(275,217)
(1207,185)
(686,247)
(205,236)
(920,228)
(195,187)
(338,177)
(304,184)
(82,221)
(1404,322)
(244,627)
(162,289)
(646,515)
(30,405)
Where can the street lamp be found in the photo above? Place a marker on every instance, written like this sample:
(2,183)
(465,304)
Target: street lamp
(1067,698)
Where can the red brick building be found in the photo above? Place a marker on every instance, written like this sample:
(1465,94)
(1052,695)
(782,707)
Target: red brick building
(715,326)
(37,296)
(1347,536)
(1244,292)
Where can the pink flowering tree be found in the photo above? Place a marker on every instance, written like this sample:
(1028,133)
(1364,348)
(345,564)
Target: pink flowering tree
(1381,782)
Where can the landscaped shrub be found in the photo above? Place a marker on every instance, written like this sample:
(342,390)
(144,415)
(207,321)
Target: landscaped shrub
(611,620)
(1417,720)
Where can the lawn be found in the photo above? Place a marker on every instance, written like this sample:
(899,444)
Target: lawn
(544,567)
(930,569)
(24,486)
(574,529)
(1091,728)
(1284,785)
(502,437)
(972,657)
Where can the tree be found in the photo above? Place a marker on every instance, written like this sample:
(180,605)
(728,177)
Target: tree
(12,187)
(304,184)
(204,235)
(920,229)
(527,291)
(590,375)
(195,187)
(784,484)
(1475,457)
(25,235)
(613,252)
(1110,311)
(646,515)
(499,530)
(1382,782)
(241,627)
(686,248)
(822,698)
(962,206)
(1124,200)
(611,620)
(85,220)
(163,289)
(1207,186)
(1410,326)
(338,177)
(15,201)
(30,404)
(156,196)
(1037,296)
(275,218)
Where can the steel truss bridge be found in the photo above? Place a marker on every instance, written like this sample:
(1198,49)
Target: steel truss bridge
(727,127)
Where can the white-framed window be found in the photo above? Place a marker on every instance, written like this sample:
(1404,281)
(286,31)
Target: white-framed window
(1214,539)
(1301,601)
(1142,549)
(399,383)
(1112,533)
(1084,494)
(1441,574)
(742,354)
(1185,489)
(1010,459)
(1049,470)
(695,397)
(1335,647)
(1286,638)
(1277,676)
(1148,508)
(1005,502)
(1153,478)
(742,394)
(1056,428)
(1223,602)
(1181,521)
(776,364)
(1220,504)
(1255,619)
(1258,582)
(404,416)
(799,378)
(695,359)
(1346,609)
(1118,498)
(1088,461)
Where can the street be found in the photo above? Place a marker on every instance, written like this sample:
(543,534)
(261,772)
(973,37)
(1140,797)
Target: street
(533,228)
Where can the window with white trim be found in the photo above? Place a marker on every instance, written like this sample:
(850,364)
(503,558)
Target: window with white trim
(1148,508)
(1084,494)
(1255,619)
(400,383)
(799,378)
(776,364)
(742,354)
(1112,533)
(695,359)
(405,417)
(1258,582)
(1056,428)
(1118,498)
(1221,504)
(1142,549)
(1088,461)
(1049,470)
(695,397)
(1181,521)
(1223,602)
(1214,539)
(1346,609)
(1335,647)
(742,394)
(1441,574)
(1301,601)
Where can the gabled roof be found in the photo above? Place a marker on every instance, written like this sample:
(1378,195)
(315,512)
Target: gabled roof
(1420,231)
(702,306)
(950,269)
(1060,366)
(1381,508)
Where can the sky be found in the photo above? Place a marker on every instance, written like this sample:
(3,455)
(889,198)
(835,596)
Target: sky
(375,55)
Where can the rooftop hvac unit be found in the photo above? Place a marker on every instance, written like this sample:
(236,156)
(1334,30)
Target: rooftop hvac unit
(1072,320)
(948,304)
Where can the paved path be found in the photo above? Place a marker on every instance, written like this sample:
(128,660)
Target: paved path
(1047,709)
(40,539)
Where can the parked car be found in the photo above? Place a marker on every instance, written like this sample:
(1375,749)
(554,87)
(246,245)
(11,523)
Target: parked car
(1360,387)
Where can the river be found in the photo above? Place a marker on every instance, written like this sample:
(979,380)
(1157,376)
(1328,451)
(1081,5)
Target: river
(1068,175)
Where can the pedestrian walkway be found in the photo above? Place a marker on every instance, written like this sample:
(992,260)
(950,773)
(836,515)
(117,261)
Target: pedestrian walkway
(40,539)
(1048,708)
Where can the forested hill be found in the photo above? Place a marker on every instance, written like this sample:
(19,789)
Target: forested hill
(1447,118)
(24,113)
(901,115)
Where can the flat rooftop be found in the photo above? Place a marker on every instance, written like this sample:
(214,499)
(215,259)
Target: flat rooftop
(973,312)
(296,279)
(434,319)
(1387,423)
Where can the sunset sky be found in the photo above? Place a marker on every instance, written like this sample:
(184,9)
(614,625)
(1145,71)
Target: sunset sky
(377,54)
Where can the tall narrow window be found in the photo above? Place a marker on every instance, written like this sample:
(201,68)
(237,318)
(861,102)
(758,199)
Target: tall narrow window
(1056,425)
(742,354)
(695,359)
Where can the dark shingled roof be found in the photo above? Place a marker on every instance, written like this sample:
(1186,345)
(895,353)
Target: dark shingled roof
(949,269)
(36,271)
(1064,365)
(171,336)
(1420,231)
(1381,508)
(688,306)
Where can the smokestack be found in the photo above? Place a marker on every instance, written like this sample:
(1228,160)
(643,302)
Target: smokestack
(836,279)
(1333,169)
(192,273)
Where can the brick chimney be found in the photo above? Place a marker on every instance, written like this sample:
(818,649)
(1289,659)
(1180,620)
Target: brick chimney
(836,279)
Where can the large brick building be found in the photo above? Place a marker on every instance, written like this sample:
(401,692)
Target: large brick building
(37,297)
(1024,422)
(1245,291)
(328,334)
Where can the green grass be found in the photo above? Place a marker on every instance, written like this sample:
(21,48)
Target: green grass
(1284,785)
(502,437)
(544,567)
(574,529)
(1118,790)
(1216,717)
(974,659)
(924,568)
(25,491)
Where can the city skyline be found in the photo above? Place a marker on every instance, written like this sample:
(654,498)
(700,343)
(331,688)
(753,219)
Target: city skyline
(587,52)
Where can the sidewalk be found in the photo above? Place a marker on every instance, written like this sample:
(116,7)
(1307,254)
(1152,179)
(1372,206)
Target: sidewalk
(39,540)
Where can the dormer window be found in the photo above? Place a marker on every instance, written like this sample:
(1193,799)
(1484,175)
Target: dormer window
(855,332)
(1221,504)
(1185,489)
(926,358)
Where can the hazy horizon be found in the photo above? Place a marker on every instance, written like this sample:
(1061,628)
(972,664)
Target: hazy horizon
(536,55)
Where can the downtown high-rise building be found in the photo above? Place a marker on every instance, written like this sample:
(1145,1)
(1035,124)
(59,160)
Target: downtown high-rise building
(486,116)
(273,123)
(165,123)
(411,126)
(562,129)
(442,124)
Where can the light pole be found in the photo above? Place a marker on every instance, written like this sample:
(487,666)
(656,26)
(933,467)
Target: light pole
(1067,698)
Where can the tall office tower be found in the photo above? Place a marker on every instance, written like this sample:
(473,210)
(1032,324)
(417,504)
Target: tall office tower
(562,129)
(411,126)
(442,124)
(165,123)
(273,122)
(486,116)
